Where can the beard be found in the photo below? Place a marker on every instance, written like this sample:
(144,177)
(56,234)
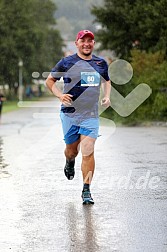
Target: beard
(87,54)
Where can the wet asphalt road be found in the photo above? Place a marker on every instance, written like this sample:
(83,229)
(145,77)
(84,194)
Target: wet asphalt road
(41,211)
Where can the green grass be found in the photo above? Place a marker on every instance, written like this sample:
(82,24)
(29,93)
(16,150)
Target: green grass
(9,106)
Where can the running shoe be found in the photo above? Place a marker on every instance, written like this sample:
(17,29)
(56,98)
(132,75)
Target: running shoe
(69,169)
(86,197)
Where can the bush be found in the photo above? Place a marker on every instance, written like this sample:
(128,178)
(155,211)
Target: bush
(149,68)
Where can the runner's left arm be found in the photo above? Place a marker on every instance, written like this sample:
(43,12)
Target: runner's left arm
(106,88)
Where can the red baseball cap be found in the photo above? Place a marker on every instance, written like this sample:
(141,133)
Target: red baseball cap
(82,33)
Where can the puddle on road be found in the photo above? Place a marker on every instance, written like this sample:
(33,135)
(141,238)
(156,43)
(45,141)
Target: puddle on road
(3,172)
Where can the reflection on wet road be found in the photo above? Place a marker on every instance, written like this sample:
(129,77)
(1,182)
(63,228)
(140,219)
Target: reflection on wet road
(41,211)
(81,229)
(3,172)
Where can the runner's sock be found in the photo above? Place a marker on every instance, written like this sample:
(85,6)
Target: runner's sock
(86,187)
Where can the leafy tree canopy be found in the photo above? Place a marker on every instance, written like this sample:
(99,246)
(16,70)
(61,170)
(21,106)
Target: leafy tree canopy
(132,23)
(27,34)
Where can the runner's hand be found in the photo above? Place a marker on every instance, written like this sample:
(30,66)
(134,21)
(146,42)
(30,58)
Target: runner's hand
(66,99)
(105,102)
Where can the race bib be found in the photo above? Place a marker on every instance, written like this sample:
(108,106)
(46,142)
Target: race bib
(90,79)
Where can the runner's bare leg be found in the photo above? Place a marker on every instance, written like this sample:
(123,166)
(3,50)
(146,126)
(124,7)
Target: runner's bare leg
(71,150)
(88,162)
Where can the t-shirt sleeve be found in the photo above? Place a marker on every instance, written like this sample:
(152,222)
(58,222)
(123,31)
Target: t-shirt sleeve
(58,70)
(105,71)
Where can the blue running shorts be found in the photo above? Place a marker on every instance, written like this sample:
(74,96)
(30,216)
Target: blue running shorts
(74,127)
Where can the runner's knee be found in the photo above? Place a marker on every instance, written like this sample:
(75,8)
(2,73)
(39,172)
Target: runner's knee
(87,148)
(71,152)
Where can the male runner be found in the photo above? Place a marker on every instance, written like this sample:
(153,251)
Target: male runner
(83,73)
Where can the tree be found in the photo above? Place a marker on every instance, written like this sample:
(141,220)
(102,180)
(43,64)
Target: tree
(149,68)
(132,23)
(27,33)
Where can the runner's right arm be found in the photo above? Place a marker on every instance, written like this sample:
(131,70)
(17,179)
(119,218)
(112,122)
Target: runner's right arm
(51,84)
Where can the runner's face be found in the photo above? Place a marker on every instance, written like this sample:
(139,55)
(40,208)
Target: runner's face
(85,45)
